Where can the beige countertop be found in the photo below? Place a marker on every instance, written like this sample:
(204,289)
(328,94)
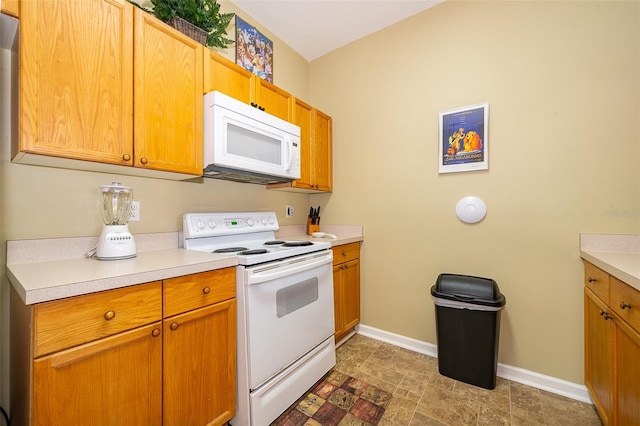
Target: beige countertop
(50,269)
(345,233)
(618,255)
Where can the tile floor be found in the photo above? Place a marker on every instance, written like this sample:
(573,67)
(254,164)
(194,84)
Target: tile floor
(423,397)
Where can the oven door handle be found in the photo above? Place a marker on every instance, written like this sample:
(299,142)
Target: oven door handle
(269,274)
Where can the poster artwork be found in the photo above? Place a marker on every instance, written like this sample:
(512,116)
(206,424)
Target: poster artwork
(254,52)
(463,139)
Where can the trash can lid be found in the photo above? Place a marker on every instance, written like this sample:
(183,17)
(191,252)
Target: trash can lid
(468,289)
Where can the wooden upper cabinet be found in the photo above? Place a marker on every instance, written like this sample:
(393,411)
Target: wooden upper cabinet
(322,152)
(76,80)
(11,7)
(168,78)
(272,99)
(224,76)
(302,117)
(231,79)
(315,150)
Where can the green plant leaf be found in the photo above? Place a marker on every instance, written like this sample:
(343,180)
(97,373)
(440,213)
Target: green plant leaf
(204,14)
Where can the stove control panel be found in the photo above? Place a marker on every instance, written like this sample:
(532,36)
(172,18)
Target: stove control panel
(195,225)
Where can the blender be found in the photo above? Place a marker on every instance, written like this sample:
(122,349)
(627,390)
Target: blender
(116,242)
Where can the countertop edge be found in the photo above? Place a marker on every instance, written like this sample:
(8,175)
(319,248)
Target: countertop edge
(612,267)
(345,234)
(69,273)
(85,276)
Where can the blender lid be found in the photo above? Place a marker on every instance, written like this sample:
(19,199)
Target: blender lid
(115,187)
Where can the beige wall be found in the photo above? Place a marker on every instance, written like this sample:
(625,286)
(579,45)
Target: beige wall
(40,202)
(562,80)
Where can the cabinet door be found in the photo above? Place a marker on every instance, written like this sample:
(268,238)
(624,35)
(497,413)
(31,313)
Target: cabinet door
(10,7)
(199,366)
(346,286)
(113,381)
(76,79)
(301,117)
(351,293)
(599,354)
(272,99)
(167,97)
(322,152)
(224,76)
(627,375)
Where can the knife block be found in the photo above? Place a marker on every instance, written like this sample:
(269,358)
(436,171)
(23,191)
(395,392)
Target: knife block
(312,228)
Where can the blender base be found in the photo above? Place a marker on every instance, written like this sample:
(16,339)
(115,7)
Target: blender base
(115,243)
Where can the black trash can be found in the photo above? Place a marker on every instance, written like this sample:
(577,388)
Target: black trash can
(468,328)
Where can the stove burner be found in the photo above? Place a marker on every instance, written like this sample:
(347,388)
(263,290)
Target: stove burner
(229,249)
(255,251)
(298,244)
(273,243)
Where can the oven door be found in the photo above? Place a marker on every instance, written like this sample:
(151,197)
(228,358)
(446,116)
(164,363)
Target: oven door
(289,311)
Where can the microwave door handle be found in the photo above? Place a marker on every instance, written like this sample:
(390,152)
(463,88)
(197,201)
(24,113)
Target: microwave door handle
(289,153)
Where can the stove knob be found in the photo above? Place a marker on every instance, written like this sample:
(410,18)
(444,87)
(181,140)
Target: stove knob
(250,222)
(200,224)
(264,220)
(271,220)
(212,223)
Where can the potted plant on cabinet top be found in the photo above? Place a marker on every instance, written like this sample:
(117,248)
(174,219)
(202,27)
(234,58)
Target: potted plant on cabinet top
(210,25)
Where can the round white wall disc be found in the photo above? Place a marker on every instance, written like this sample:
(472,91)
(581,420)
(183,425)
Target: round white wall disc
(471,209)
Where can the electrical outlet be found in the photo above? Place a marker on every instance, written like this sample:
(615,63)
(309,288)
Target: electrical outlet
(134,215)
(289,211)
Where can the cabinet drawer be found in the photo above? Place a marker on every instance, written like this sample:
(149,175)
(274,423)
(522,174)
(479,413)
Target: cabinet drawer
(183,294)
(597,280)
(345,253)
(625,301)
(64,323)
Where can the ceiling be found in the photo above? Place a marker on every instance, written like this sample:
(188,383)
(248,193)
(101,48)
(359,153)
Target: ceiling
(316,27)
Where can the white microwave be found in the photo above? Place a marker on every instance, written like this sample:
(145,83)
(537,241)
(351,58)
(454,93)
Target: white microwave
(245,144)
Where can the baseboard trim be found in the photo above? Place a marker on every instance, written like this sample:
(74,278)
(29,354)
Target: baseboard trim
(516,374)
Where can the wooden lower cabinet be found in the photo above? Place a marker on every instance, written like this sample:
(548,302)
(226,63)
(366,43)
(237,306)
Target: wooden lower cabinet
(627,374)
(346,288)
(171,370)
(199,356)
(599,355)
(612,347)
(116,380)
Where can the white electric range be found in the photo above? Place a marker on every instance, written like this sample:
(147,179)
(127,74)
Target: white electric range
(285,320)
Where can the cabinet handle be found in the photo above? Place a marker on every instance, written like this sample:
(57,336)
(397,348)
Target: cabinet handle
(261,108)
(126,157)
(624,305)
(155,332)
(144,160)
(344,253)
(109,315)
(206,290)
(253,104)
(592,280)
(605,315)
(173,325)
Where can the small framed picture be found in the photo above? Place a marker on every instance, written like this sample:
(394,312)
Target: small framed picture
(254,51)
(464,139)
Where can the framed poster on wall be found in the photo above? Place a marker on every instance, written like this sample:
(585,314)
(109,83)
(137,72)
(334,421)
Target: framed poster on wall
(254,51)
(464,139)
